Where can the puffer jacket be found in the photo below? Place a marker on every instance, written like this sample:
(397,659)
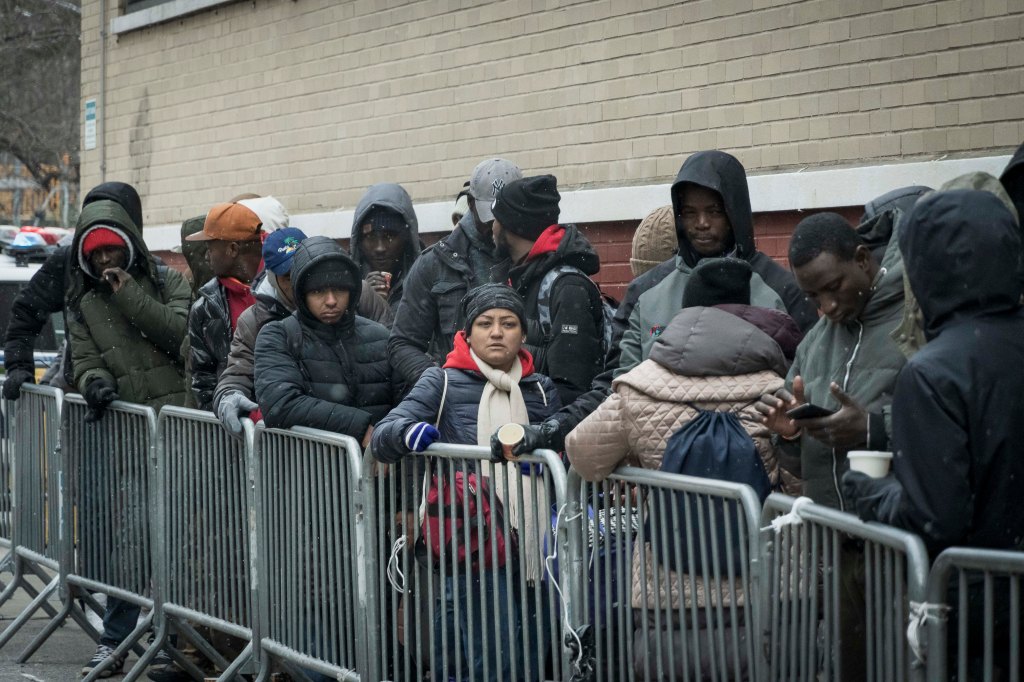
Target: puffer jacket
(862,357)
(209,335)
(132,337)
(706,357)
(572,354)
(332,377)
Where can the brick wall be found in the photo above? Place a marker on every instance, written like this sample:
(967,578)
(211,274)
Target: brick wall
(313,101)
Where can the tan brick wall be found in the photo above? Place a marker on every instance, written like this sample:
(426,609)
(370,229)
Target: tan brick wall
(314,100)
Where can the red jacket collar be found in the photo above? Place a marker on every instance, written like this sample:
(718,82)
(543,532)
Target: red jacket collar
(547,242)
(460,358)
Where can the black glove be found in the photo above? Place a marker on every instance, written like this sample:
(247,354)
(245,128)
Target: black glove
(874,499)
(15,378)
(98,394)
(544,436)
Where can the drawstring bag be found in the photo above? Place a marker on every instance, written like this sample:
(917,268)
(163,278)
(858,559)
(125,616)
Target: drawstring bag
(711,445)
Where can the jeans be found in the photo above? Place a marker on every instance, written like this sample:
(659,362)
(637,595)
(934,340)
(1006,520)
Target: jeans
(483,613)
(119,619)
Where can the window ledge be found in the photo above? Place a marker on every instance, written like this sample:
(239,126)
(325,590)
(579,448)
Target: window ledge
(158,14)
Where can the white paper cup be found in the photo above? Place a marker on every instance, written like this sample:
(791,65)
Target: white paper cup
(510,435)
(874,463)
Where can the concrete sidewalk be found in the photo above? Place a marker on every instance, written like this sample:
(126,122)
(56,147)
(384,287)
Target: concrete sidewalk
(61,657)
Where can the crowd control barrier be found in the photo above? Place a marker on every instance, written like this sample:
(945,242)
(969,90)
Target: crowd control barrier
(201,529)
(665,577)
(106,544)
(837,595)
(34,430)
(466,566)
(312,561)
(8,412)
(974,615)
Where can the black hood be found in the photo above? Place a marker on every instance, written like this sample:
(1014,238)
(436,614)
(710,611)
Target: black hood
(120,193)
(317,251)
(961,249)
(724,174)
(1013,181)
(393,197)
(903,199)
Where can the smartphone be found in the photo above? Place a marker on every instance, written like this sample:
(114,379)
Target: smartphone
(809,411)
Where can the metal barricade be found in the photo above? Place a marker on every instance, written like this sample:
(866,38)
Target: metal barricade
(105,515)
(34,430)
(310,558)
(8,413)
(979,592)
(200,522)
(837,594)
(664,576)
(474,593)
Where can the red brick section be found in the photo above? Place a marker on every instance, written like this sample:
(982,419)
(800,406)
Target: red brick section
(614,243)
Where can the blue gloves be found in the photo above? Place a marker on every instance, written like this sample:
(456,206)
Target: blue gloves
(420,435)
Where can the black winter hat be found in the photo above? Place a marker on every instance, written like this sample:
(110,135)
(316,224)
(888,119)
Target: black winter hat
(718,280)
(120,193)
(329,273)
(487,296)
(528,206)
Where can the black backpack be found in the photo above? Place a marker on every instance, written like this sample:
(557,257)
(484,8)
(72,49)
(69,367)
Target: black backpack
(547,285)
(711,445)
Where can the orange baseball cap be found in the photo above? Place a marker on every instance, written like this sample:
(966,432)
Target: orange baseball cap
(230,223)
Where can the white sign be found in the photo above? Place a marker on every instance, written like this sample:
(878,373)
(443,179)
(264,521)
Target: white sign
(90,124)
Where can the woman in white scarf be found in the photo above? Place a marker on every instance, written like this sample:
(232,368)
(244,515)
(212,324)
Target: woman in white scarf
(487,381)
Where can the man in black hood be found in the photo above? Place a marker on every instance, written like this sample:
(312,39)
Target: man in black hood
(324,366)
(44,295)
(1013,180)
(385,241)
(958,407)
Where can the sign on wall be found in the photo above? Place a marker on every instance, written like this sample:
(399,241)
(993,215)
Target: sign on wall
(90,124)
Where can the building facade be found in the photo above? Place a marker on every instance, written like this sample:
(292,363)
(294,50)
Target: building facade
(826,103)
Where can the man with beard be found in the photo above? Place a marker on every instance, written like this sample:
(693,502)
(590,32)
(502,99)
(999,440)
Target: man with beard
(551,264)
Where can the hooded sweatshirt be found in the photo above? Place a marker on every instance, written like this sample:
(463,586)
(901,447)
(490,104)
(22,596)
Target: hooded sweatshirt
(572,354)
(393,197)
(132,337)
(959,402)
(334,377)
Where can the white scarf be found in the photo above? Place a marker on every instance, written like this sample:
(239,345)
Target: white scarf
(502,403)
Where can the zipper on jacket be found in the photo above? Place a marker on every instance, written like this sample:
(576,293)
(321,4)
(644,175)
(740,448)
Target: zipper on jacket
(846,383)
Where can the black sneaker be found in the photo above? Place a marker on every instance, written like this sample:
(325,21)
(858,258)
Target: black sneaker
(169,673)
(103,652)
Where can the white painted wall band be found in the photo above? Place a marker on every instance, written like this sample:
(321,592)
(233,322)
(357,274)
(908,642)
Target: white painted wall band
(789,191)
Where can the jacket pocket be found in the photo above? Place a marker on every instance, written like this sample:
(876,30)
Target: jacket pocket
(449,297)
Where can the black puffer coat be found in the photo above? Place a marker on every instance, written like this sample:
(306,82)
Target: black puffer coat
(331,377)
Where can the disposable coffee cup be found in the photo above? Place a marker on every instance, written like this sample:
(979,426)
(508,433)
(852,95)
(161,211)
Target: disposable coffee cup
(874,463)
(510,435)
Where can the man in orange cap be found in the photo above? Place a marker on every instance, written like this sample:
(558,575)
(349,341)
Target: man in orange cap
(233,233)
